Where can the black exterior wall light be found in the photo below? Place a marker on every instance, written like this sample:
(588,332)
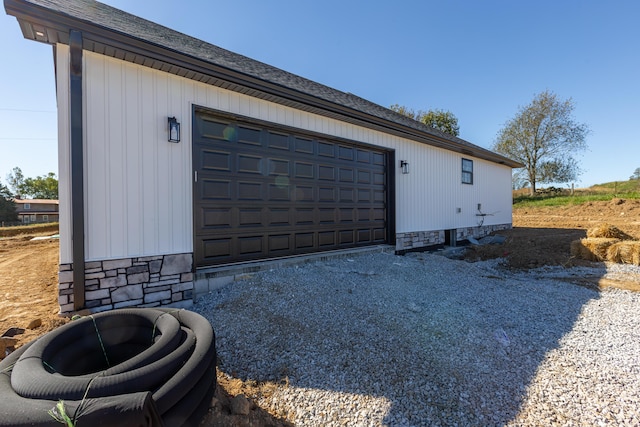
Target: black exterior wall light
(174,130)
(404,166)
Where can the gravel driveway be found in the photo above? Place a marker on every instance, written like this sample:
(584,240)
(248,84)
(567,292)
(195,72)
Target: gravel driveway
(422,340)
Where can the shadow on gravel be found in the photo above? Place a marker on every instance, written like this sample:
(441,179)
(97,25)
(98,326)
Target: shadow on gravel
(387,340)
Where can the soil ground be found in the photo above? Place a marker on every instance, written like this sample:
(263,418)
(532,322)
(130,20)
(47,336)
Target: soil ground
(541,236)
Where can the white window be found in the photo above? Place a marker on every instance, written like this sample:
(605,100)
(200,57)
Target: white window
(45,218)
(27,206)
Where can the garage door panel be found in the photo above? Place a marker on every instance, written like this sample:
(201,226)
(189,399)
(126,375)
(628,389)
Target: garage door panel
(326,173)
(345,153)
(345,237)
(263,191)
(250,217)
(216,160)
(327,216)
(216,248)
(250,245)
(213,189)
(216,218)
(278,141)
(327,194)
(326,239)
(364,235)
(304,170)
(326,149)
(250,136)
(304,240)
(304,216)
(303,145)
(249,164)
(213,129)
(278,216)
(347,195)
(379,235)
(279,191)
(250,190)
(345,175)
(279,243)
(279,167)
(303,194)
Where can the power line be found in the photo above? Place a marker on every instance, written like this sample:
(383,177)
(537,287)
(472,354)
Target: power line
(28,139)
(27,111)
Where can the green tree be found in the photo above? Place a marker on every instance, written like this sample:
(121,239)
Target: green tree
(636,174)
(545,138)
(40,187)
(7,206)
(15,178)
(444,121)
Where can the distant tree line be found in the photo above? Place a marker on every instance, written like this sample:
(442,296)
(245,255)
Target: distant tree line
(40,187)
(444,121)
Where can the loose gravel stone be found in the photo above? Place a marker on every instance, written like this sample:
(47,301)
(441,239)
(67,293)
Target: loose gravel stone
(422,340)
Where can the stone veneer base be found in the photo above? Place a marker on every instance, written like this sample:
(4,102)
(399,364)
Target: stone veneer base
(153,281)
(423,239)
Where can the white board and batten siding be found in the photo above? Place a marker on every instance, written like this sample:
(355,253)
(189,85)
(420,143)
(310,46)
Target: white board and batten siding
(138,186)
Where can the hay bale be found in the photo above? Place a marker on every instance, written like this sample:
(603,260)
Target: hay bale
(625,252)
(593,248)
(608,231)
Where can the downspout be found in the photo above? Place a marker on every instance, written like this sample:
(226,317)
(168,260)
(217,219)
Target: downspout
(77,167)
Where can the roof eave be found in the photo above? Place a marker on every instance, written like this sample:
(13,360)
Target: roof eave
(48,26)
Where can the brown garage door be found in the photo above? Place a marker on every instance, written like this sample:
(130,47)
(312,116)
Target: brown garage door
(262,191)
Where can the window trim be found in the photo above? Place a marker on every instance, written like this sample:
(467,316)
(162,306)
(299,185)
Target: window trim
(467,175)
(26,206)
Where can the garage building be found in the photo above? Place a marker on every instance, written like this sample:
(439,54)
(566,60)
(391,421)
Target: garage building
(177,157)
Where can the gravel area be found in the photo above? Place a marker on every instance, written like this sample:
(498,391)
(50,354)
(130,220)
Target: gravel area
(423,340)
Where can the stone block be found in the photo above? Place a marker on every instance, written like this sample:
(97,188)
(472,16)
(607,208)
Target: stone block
(113,282)
(65,276)
(98,275)
(101,308)
(138,269)
(156,296)
(96,295)
(149,258)
(66,308)
(93,265)
(127,293)
(115,264)
(133,279)
(186,277)
(176,264)
(130,303)
(163,283)
(182,286)
(154,266)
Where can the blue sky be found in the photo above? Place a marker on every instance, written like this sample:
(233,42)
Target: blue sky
(480,60)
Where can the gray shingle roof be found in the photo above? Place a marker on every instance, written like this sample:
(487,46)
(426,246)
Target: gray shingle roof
(116,33)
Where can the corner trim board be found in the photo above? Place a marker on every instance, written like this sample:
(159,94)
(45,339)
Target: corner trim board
(77,167)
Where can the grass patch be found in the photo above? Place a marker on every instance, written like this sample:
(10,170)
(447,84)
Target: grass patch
(598,193)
